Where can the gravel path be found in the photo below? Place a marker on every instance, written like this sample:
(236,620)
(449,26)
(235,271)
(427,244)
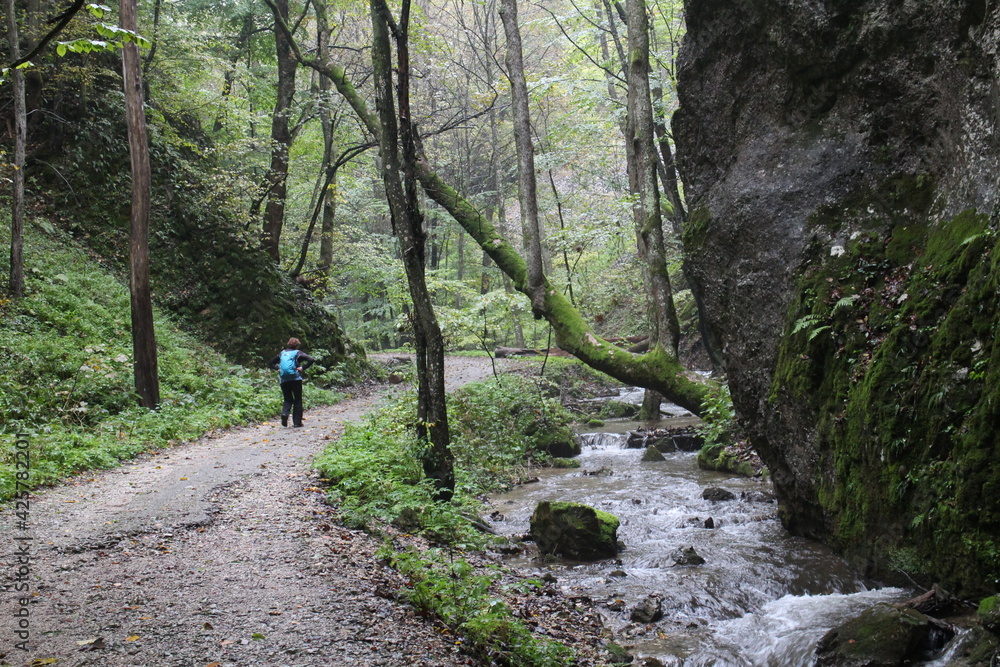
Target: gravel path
(217,553)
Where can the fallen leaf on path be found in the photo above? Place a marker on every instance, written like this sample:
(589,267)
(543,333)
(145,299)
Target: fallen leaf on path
(93,643)
(256,635)
(38,662)
(213,664)
(132,638)
(225,642)
(208,626)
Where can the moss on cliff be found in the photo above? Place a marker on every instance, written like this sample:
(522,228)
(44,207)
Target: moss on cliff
(892,342)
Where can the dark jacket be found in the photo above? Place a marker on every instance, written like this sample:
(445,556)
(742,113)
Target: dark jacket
(302,359)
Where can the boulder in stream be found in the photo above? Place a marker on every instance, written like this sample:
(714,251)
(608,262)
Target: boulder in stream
(687,556)
(574,531)
(649,610)
(883,636)
(653,454)
(717,494)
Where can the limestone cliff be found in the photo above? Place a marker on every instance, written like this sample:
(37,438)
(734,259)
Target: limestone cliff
(841,164)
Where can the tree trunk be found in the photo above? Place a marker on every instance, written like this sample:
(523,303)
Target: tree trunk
(16,283)
(230,76)
(526,183)
(147,382)
(432,416)
(281,138)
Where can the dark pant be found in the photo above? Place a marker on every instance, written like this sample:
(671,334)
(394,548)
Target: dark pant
(291,391)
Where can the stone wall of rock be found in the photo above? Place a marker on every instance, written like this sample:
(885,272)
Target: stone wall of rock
(840,160)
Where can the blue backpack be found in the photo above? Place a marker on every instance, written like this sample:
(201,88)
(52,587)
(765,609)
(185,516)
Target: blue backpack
(288,364)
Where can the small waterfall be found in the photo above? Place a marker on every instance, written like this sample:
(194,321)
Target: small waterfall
(603,440)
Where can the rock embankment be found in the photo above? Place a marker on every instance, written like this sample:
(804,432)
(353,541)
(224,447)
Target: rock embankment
(840,163)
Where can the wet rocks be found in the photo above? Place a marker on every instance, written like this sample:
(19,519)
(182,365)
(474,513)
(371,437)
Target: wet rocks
(883,636)
(649,610)
(687,556)
(717,494)
(665,439)
(653,454)
(574,531)
(757,496)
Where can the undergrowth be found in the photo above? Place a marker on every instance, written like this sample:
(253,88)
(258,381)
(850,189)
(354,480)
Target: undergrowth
(467,601)
(66,373)
(376,479)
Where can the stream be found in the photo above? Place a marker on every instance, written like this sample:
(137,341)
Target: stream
(762,598)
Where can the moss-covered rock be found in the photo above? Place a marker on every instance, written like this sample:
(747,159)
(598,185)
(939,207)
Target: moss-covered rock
(737,459)
(574,531)
(883,636)
(556,440)
(989,614)
(618,410)
(652,454)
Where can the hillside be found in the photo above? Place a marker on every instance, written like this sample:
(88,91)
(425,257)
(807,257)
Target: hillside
(66,374)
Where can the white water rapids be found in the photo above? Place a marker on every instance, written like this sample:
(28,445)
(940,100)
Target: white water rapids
(763,597)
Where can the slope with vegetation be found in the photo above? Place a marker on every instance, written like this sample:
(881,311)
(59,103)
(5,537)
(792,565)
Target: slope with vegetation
(66,371)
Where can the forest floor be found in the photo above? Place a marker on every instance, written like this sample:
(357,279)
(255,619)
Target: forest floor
(217,553)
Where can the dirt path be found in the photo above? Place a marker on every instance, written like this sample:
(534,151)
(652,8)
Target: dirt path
(220,552)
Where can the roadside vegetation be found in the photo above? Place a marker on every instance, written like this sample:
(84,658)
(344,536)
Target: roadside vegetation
(377,482)
(66,373)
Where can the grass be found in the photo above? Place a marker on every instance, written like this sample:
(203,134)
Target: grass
(66,373)
(376,479)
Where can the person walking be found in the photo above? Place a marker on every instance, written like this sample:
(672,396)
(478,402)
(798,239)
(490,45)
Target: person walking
(290,363)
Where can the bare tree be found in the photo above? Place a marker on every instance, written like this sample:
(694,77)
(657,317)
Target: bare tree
(281,136)
(147,382)
(399,156)
(16,284)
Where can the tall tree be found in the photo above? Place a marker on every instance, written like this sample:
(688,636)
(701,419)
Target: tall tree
(16,284)
(281,136)
(399,156)
(527,187)
(643,162)
(147,382)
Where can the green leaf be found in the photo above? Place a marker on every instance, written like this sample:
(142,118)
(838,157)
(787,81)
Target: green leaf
(98,11)
(61,49)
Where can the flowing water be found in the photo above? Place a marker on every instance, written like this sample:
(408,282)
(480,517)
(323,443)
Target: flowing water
(762,597)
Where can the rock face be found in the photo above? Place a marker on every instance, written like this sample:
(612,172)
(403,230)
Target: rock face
(840,161)
(574,531)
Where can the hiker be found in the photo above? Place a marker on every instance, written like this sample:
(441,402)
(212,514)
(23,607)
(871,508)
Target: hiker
(290,363)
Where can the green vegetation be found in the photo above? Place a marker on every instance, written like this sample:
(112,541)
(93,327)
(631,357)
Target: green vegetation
(497,430)
(66,374)
(376,479)
(899,361)
(464,599)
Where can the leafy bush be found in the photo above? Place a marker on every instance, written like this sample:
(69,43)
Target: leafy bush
(66,373)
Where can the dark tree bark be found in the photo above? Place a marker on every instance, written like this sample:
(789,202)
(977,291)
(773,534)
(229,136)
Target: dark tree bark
(432,415)
(526,183)
(281,137)
(16,283)
(147,382)
(329,194)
